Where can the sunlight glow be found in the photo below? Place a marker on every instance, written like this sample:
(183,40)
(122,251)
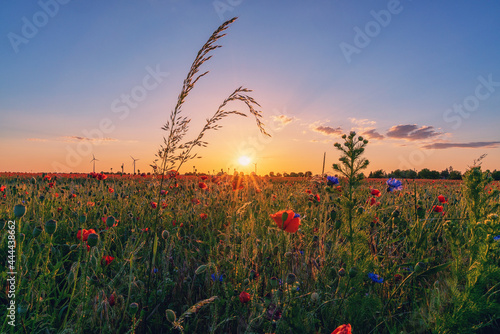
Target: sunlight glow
(244,160)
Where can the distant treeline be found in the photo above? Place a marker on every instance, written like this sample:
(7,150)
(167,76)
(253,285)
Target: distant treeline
(447,174)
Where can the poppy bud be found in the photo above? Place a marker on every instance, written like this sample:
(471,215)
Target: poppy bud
(338,224)
(170,315)
(37,231)
(92,239)
(82,219)
(314,297)
(274,282)
(360,210)
(253,274)
(110,221)
(419,267)
(132,308)
(395,214)
(342,272)
(165,234)
(290,279)
(50,226)
(246,281)
(19,210)
(353,272)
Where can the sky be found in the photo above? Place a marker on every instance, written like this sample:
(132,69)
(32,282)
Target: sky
(82,79)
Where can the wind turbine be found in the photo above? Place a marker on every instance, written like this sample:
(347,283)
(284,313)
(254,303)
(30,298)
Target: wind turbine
(134,162)
(122,167)
(93,160)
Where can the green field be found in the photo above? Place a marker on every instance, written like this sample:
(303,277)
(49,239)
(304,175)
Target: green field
(203,255)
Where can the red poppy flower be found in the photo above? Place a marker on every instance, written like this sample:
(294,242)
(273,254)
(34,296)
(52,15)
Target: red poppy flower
(2,188)
(244,297)
(398,277)
(290,224)
(203,177)
(314,198)
(237,184)
(163,192)
(111,300)
(56,195)
(376,193)
(51,184)
(202,185)
(83,234)
(73,195)
(308,191)
(372,201)
(203,216)
(111,190)
(164,205)
(442,199)
(107,259)
(153,205)
(172,174)
(47,177)
(437,208)
(59,209)
(343,329)
(258,190)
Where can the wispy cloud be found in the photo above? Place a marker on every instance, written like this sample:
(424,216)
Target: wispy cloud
(283,119)
(479,144)
(73,139)
(373,134)
(37,139)
(412,132)
(79,139)
(325,130)
(362,122)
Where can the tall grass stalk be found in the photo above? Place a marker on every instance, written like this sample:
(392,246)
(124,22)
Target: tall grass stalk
(174,151)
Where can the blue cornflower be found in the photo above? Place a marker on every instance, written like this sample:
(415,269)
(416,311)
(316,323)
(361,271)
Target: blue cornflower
(296,215)
(332,180)
(216,277)
(375,278)
(497,238)
(394,184)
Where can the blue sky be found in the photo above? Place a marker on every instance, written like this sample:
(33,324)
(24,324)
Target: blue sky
(421,79)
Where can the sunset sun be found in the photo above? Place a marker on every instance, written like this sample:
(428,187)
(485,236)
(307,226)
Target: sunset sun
(244,160)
